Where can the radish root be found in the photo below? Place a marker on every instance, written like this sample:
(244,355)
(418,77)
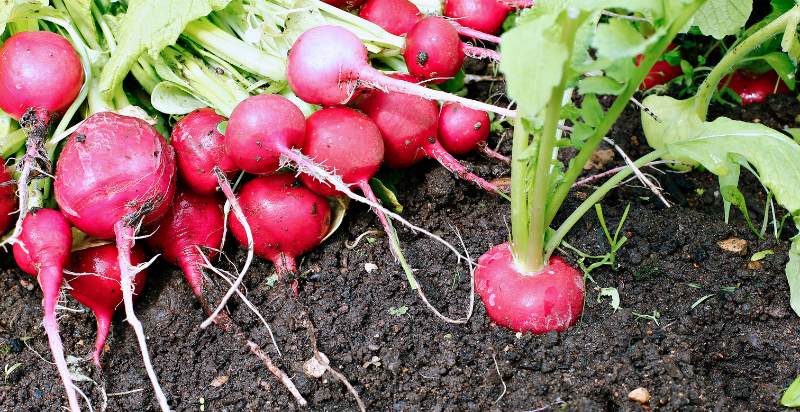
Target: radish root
(125,239)
(237,210)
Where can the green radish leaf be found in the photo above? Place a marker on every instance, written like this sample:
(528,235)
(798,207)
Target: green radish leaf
(80,13)
(580,133)
(534,46)
(386,195)
(619,39)
(15,9)
(720,18)
(783,65)
(794,132)
(791,398)
(793,277)
(591,110)
(149,26)
(732,195)
(600,85)
(675,121)
(760,255)
(170,98)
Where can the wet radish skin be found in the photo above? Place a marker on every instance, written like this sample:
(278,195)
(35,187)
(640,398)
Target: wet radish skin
(551,300)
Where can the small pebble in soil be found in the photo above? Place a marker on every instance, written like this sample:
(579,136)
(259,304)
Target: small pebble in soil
(640,395)
(734,245)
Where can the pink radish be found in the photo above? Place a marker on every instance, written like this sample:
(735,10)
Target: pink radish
(287,220)
(42,250)
(482,15)
(409,126)
(399,16)
(331,135)
(114,174)
(462,130)
(40,77)
(194,222)
(345,4)
(96,285)
(529,302)
(326,64)
(204,164)
(8,198)
(199,147)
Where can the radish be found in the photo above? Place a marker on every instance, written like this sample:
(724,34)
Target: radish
(345,4)
(331,135)
(193,222)
(204,164)
(482,15)
(462,130)
(754,88)
(95,283)
(287,220)
(199,147)
(40,77)
(42,250)
(109,198)
(326,64)
(409,126)
(8,198)
(549,300)
(399,16)
(661,73)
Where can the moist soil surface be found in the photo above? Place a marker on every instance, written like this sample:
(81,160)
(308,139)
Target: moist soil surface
(699,327)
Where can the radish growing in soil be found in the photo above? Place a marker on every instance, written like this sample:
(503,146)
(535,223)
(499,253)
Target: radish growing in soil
(462,130)
(95,283)
(409,126)
(40,77)
(42,250)
(327,63)
(204,165)
(109,199)
(286,218)
(399,16)
(482,15)
(523,285)
(754,88)
(661,73)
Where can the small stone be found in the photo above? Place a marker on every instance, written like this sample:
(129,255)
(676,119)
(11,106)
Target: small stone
(314,368)
(25,284)
(640,395)
(755,265)
(219,381)
(600,158)
(375,361)
(370,267)
(734,245)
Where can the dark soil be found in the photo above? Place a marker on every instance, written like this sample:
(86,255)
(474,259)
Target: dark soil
(736,350)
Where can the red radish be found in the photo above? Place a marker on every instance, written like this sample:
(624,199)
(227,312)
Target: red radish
(551,300)
(42,250)
(106,197)
(331,135)
(661,72)
(399,16)
(40,77)
(345,4)
(482,15)
(203,162)
(326,64)
(193,222)
(462,130)
(38,70)
(754,88)
(409,126)
(261,130)
(287,219)
(95,283)
(8,198)
(199,147)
